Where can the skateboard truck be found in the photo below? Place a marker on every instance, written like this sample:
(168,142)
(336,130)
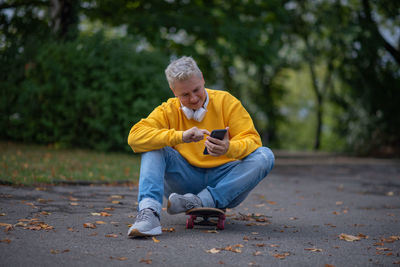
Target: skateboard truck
(205,214)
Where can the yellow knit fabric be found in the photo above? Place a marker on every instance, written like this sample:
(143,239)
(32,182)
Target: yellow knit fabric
(166,124)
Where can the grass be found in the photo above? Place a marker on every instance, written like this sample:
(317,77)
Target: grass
(23,164)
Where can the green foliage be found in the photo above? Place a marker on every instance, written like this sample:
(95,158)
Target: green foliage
(86,93)
(349,48)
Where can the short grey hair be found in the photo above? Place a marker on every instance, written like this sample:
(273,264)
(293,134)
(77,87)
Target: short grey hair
(182,69)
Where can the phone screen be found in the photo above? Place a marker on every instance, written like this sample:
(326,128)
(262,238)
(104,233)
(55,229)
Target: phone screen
(219,134)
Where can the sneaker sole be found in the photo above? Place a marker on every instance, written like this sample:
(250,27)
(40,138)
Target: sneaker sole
(153,232)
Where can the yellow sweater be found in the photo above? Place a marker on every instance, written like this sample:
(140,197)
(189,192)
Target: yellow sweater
(166,124)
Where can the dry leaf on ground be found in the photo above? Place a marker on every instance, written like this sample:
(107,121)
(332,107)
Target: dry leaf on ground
(155,240)
(7,226)
(282,255)
(112,235)
(213,251)
(169,230)
(89,225)
(349,238)
(313,249)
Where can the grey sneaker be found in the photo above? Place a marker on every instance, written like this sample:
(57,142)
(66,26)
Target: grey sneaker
(147,224)
(181,203)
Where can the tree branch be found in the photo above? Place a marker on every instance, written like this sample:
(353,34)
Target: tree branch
(23,3)
(391,49)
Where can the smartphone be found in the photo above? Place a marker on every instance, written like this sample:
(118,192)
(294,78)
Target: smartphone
(219,134)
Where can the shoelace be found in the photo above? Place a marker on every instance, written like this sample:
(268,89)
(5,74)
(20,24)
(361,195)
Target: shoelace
(145,214)
(191,205)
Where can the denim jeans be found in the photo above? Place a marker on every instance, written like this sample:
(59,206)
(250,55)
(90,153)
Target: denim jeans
(165,171)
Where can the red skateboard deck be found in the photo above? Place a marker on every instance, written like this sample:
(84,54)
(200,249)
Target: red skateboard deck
(205,214)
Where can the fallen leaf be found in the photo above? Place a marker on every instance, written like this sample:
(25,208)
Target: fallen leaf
(45,213)
(20,224)
(115,202)
(100,222)
(37,225)
(3,214)
(313,249)
(257,253)
(155,240)
(362,236)
(383,249)
(211,231)
(349,238)
(44,201)
(112,235)
(213,250)
(170,230)
(109,209)
(274,246)
(271,202)
(74,203)
(252,263)
(260,245)
(89,225)
(281,256)
(73,199)
(105,214)
(5,225)
(54,251)
(329,265)
(117,197)
(8,241)
(95,214)
(233,248)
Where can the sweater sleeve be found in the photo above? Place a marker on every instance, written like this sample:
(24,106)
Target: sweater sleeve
(153,132)
(244,138)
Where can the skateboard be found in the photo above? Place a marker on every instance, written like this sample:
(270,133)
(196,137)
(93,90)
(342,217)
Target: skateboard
(205,213)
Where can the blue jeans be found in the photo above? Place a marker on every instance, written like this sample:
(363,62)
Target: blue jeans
(165,171)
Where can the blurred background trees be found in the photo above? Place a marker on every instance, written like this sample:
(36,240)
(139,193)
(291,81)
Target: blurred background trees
(320,75)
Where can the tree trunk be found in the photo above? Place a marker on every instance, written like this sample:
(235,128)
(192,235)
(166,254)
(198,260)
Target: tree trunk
(319,102)
(64,18)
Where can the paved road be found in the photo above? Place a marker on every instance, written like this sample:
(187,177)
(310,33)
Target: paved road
(300,215)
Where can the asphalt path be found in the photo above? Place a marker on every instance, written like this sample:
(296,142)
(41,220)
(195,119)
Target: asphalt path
(312,210)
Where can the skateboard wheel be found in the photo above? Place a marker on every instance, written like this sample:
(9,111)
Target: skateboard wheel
(221,225)
(221,222)
(189,223)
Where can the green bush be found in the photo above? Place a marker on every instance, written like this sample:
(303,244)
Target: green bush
(86,93)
